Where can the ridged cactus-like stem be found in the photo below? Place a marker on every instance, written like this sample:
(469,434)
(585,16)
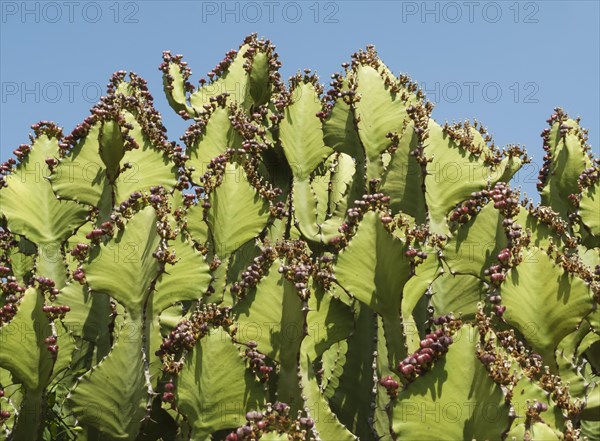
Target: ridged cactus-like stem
(313,262)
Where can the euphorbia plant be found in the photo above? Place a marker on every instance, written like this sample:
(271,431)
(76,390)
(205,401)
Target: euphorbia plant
(300,269)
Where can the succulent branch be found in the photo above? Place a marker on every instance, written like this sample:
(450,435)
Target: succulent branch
(311,263)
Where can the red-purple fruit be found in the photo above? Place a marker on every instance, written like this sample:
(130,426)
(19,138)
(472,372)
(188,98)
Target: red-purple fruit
(407,369)
(389,383)
(307,422)
(426,342)
(497,277)
(504,255)
(424,359)
(499,310)
(411,253)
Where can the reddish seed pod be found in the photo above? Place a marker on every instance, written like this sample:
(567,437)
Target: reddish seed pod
(78,275)
(499,310)
(424,359)
(281,408)
(497,277)
(307,422)
(426,342)
(503,256)
(254,415)
(407,370)
(265,369)
(4,415)
(411,253)
(51,162)
(440,321)
(168,397)
(389,383)
(96,232)
(488,358)
(428,351)
(438,348)
(445,340)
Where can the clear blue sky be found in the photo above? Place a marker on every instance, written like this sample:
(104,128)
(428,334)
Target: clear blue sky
(506,63)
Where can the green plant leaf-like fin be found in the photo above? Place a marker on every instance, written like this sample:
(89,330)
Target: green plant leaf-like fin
(24,354)
(474,246)
(22,350)
(328,427)
(588,208)
(215,390)
(540,293)
(30,206)
(351,400)
(537,431)
(106,399)
(442,406)
(247,76)
(81,175)
(566,160)
(379,111)
(117,154)
(301,132)
(402,181)
(187,279)
(218,134)
(458,167)
(125,267)
(374,269)
(90,312)
(238,213)
(272,316)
